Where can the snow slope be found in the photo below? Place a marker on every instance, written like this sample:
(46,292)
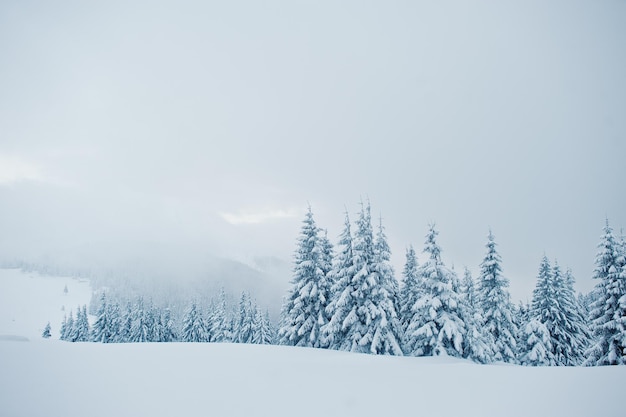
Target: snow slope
(29,300)
(54,378)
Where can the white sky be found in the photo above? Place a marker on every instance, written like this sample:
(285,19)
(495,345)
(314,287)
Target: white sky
(209,126)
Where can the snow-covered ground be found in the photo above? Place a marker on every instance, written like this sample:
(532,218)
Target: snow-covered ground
(53,378)
(29,300)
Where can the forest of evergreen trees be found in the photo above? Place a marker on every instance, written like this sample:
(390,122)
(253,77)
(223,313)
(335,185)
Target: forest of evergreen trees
(348,298)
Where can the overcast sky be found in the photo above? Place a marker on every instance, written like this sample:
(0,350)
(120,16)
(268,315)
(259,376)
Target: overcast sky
(209,126)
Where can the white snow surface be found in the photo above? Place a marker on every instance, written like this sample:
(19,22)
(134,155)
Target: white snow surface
(53,378)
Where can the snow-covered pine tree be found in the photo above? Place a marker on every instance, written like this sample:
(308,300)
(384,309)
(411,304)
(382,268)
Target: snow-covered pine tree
(220,323)
(304,312)
(579,327)
(435,327)
(82,332)
(140,330)
(46,331)
(326,255)
(126,325)
(168,334)
(535,347)
(63,329)
(102,330)
(263,333)
(495,304)
(70,328)
(370,323)
(334,333)
(244,330)
(608,311)
(477,344)
(194,328)
(411,290)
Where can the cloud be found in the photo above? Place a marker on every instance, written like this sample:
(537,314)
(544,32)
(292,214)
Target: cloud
(258,216)
(14,169)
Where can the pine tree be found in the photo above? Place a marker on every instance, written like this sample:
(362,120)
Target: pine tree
(168,333)
(220,324)
(334,333)
(71,328)
(102,330)
(263,333)
(435,327)
(495,304)
(140,330)
(194,328)
(608,311)
(46,331)
(63,329)
(411,290)
(477,344)
(536,347)
(82,332)
(126,325)
(304,312)
(244,330)
(370,323)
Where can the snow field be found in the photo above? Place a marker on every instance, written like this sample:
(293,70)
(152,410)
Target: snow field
(54,378)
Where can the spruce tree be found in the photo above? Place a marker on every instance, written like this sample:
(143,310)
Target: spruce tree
(194,328)
(495,303)
(244,330)
(102,330)
(477,345)
(370,323)
(608,311)
(82,332)
(411,290)
(435,327)
(46,331)
(334,333)
(304,312)
(535,344)
(220,323)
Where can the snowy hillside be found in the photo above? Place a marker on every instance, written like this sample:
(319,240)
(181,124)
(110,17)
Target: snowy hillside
(54,378)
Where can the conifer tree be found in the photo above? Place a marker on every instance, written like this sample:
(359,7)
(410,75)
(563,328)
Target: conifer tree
(102,330)
(263,333)
(220,323)
(244,330)
(435,327)
(82,332)
(334,333)
(495,304)
(411,290)
(304,312)
(194,328)
(477,345)
(608,311)
(535,345)
(168,333)
(371,320)
(46,331)
(63,329)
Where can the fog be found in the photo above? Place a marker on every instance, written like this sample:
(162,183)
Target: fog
(163,135)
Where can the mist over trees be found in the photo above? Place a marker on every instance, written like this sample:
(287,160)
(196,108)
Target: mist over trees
(346,297)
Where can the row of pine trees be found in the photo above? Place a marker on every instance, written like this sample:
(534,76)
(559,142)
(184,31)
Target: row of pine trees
(350,300)
(139,322)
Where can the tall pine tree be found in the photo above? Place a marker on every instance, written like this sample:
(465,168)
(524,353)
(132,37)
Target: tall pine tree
(608,311)
(304,313)
(495,303)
